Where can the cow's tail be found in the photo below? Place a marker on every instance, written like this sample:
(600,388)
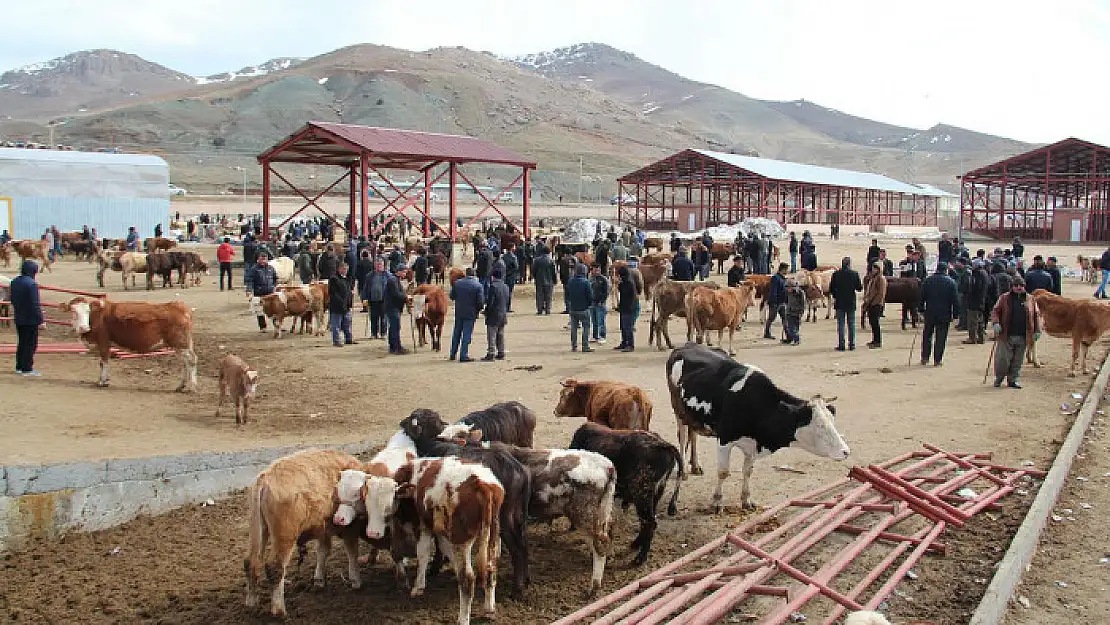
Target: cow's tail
(256,537)
(605,509)
(654,306)
(679,475)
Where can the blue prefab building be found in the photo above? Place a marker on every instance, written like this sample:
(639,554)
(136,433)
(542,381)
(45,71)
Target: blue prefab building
(109,192)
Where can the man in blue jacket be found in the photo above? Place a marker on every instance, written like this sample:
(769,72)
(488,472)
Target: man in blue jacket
(579,296)
(394,299)
(469,300)
(682,268)
(940,297)
(28,318)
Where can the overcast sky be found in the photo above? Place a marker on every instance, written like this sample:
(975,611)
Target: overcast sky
(1028,69)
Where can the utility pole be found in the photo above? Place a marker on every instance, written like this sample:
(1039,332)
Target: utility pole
(579,179)
(244,170)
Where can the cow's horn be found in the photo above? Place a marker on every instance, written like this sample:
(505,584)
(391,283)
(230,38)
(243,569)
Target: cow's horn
(829,400)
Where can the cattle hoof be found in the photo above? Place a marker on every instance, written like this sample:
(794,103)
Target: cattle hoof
(416,592)
(749,506)
(278,612)
(105,384)
(640,560)
(356,584)
(317,583)
(696,471)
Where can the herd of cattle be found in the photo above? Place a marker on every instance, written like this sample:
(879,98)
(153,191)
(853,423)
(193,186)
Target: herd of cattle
(458,491)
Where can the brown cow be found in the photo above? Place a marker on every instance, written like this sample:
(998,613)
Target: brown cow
(437,267)
(653,243)
(585,258)
(718,309)
(33,250)
(662,258)
(290,503)
(1083,320)
(81,248)
(5,305)
(429,307)
(721,252)
(6,253)
(454,275)
(296,302)
(669,298)
(140,327)
(613,404)
(238,382)
(822,279)
(152,244)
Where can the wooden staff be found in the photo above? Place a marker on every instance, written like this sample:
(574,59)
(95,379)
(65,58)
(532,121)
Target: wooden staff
(913,344)
(990,359)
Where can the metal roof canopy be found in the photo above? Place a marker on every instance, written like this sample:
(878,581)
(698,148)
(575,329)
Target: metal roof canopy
(362,149)
(1027,188)
(729,187)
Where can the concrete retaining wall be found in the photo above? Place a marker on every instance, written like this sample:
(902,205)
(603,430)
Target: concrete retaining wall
(51,500)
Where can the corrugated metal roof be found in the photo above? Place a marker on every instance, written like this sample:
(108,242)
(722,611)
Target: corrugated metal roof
(813,174)
(71,156)
(433,146)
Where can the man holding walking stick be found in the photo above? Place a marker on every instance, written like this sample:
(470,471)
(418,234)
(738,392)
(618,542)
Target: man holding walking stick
(1016,323)
(394,301)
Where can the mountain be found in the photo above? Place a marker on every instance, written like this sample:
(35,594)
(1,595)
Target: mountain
(84,81)
(586,113)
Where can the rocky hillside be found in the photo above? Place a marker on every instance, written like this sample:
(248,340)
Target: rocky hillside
(84,81)
(588,108)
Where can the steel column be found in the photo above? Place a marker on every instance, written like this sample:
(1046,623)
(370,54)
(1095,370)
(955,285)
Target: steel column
(266,199)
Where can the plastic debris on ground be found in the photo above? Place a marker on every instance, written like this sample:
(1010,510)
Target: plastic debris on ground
(910,574)
(727,233)
(1024,601)
(797,617)
(967,493)
(585,230)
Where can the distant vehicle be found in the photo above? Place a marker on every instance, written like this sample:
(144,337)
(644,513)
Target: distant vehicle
(628,199)
(506,195)
(176,190)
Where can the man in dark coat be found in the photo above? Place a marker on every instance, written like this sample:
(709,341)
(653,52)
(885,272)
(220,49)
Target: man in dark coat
(327,264)
(511,259)
(944,250)
(940,298)
(599,288)
(1016,323)
(700,258)
(682,268)
(873,253)
(469,300)
(676,243)
(736,272)
(24,296)
(793,251)
(628,304)
(843,286)
(393,303)
(1054,271)
(497,315)
(373,291)
(1037,277)
(978,285)
(776,300)
(579,294)
(420,267)
(543,274)
(306,269)
(525,255)
(363,269)
(262,280)
(339,306)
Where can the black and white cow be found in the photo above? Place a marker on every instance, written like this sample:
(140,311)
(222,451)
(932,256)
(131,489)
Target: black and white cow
(713,395)
(509,422)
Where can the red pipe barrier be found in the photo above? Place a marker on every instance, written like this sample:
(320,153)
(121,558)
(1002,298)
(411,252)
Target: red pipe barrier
(917,492)
(938,548)
(59,289)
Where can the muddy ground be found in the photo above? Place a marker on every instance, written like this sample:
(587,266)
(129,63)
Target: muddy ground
(185,567)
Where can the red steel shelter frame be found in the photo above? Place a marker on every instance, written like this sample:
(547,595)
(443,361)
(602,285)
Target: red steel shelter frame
(1018,196)
(363,150)
(724,193)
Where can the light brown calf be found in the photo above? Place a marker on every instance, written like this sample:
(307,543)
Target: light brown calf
(615,405)
(717,309)
(1083,320)
(291,502)
(669,298)
(430,305)
(33,250)
(238,382)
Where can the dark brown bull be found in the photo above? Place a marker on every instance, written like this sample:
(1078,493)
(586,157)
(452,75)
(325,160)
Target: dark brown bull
(904,291)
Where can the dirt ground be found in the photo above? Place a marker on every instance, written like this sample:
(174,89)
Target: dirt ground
(1069,581)
(185,567)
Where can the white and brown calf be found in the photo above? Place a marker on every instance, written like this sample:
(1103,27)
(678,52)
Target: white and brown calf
(458,504)
(575,484)
(238,382)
